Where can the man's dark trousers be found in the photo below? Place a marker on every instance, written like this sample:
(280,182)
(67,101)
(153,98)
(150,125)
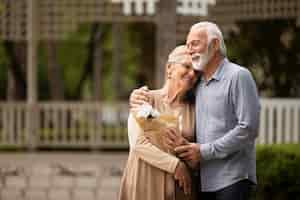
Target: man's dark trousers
(241,190)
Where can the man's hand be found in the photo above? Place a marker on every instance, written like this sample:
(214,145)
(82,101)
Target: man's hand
(138,97)
(190,152)
(183,177)
(173,139)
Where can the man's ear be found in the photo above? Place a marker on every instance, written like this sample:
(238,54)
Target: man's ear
(216,45)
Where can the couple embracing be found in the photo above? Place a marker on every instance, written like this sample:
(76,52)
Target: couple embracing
(213,154)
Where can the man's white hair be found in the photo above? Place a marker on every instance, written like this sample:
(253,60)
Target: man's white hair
(213,31)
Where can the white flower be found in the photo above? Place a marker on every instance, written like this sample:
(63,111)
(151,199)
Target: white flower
(147,111)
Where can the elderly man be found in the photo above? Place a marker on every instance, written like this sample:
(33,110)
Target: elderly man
(227,118)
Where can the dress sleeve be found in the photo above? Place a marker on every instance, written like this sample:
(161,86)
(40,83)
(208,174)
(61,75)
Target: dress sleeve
(148,152)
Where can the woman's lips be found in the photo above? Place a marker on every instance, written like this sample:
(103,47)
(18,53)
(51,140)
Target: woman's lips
(188,79)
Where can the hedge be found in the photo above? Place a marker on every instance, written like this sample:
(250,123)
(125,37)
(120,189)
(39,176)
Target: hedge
(278,172)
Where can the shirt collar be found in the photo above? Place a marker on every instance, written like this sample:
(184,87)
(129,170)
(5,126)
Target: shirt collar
(219,72)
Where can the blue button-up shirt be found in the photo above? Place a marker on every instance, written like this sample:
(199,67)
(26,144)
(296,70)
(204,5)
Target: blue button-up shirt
(227,119)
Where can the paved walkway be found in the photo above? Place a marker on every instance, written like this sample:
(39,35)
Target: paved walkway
(61,176)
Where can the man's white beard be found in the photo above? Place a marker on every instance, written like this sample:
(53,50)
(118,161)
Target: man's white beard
(200,60)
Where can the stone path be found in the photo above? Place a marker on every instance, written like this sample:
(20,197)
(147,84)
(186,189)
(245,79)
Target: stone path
(61,176)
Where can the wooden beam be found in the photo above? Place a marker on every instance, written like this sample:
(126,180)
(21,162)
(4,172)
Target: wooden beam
(32,41)
(298,14)
(32,59)
(165,37)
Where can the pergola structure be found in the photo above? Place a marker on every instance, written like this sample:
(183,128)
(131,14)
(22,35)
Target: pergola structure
(36,20)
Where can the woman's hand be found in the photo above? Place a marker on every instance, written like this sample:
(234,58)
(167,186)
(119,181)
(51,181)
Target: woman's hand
(183,177)
(173,139)
(183,148)
(138,97)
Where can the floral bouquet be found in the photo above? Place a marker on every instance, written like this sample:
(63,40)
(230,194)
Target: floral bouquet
(152,122)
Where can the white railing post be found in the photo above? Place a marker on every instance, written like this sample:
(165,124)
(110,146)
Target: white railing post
(262,125)
(287,126)
(270,124)
(279,112)
(5,124)
(296,131)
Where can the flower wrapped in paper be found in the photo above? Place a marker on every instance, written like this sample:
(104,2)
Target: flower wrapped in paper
(153,123)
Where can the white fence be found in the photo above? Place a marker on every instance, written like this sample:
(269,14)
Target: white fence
(71,125)
(279,121)
(94,125)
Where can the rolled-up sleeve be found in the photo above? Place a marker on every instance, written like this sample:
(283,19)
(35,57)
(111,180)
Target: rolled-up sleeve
(246,106)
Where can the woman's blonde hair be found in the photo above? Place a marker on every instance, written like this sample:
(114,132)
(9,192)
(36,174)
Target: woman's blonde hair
(177,55)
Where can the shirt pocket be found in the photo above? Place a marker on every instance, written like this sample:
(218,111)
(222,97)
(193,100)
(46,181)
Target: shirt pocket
(218,110)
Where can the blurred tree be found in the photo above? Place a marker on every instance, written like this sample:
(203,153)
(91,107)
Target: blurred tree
(130,66)
(117,58)
(87,64)
(94,44)
(55,76)
(144,35)
(16,54)
(271,50)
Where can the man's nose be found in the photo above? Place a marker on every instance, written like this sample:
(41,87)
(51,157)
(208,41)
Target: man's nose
(192,73)
(190,51)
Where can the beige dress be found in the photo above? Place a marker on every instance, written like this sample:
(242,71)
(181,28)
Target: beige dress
(149,173)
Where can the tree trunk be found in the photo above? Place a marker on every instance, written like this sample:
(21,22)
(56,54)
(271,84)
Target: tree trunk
(16,53)
(98,60)
(54,72)
(117,32)
(146,74)
(11,93)
(93,47)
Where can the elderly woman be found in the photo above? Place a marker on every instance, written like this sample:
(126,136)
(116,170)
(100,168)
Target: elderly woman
(151,172)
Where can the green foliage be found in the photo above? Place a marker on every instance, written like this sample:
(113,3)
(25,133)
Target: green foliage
(278,172)
(43,86)
(129,68)
(73,55)
(270,49)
